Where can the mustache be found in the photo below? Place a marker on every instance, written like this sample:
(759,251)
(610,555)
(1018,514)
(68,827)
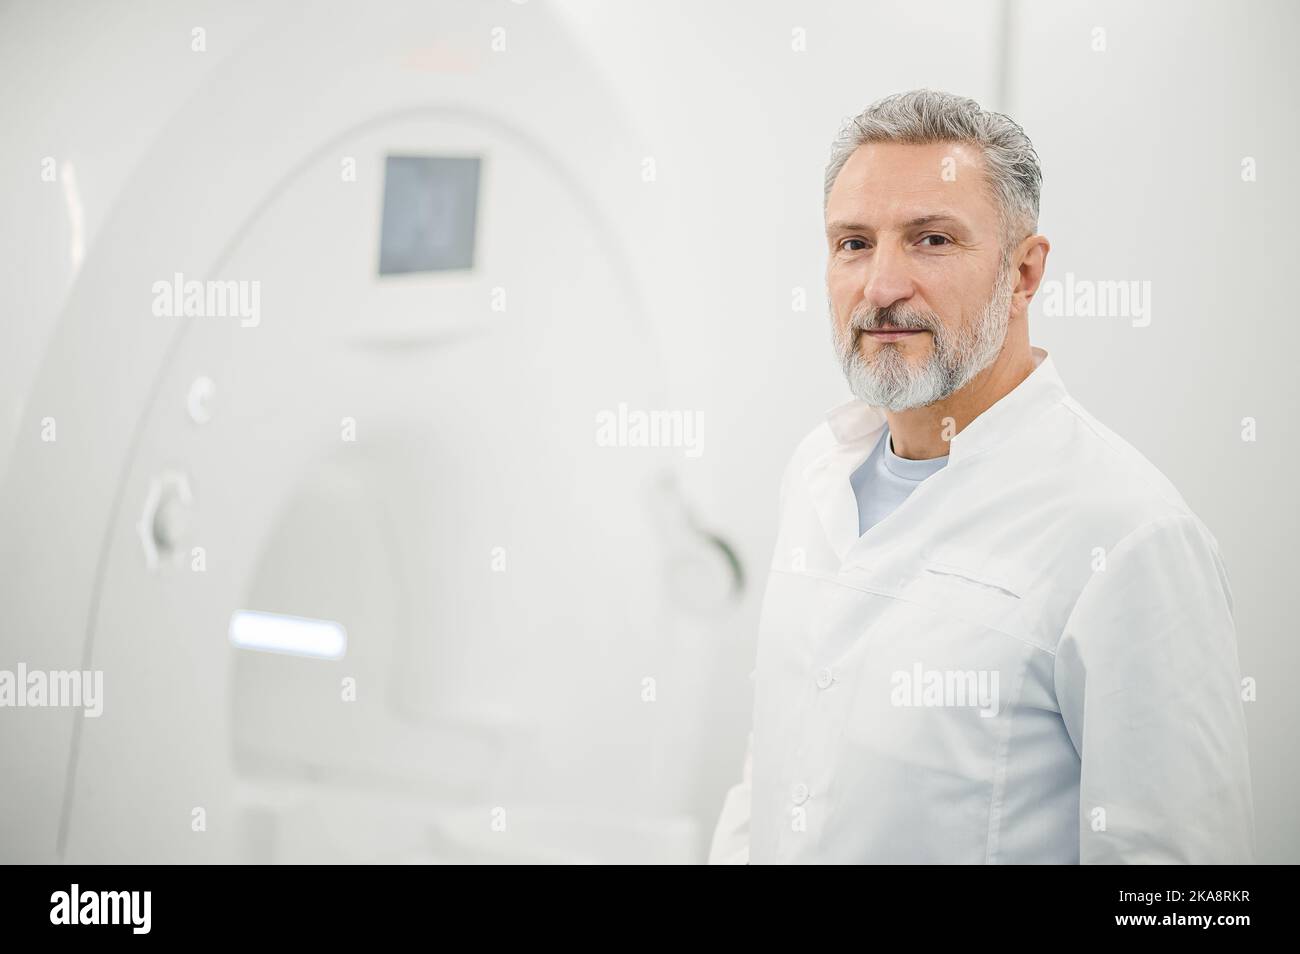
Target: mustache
(879,319)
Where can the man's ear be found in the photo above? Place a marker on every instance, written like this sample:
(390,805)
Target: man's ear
(1031,264)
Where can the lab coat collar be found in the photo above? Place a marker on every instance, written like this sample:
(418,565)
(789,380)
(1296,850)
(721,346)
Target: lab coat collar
(856,425)
(1043,387)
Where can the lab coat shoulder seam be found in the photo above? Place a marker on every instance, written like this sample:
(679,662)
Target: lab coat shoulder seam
(1122,453)
(1143,530)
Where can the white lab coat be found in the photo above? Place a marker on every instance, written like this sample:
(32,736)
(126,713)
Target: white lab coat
(1056,575)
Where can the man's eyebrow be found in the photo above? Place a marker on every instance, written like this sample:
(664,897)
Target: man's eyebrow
(843,226)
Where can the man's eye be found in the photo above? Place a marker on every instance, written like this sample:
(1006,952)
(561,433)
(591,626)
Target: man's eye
(942,239)
(860,242)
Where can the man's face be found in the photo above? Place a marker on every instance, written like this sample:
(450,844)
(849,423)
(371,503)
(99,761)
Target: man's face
(919,301)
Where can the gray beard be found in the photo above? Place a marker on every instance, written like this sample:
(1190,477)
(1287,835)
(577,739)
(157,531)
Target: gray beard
(889,381)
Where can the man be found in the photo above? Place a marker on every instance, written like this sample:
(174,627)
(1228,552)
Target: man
(992,632)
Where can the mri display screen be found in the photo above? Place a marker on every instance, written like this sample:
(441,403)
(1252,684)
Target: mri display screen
(430,206)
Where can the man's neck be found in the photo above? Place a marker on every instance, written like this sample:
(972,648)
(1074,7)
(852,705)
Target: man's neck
(923,433)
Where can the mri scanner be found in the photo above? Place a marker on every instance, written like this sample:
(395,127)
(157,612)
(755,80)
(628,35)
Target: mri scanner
(361,583)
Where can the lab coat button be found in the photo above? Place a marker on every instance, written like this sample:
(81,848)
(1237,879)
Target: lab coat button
(800,793)
(824,679)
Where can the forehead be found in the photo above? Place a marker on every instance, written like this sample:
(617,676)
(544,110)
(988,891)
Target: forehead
(882,184)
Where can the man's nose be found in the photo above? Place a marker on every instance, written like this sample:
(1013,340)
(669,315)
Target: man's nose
(887,279)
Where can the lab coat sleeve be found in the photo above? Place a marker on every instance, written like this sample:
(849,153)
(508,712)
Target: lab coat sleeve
(1149,687)
(731,836)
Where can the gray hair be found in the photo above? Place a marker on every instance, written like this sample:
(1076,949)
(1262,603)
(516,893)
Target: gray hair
(923,116)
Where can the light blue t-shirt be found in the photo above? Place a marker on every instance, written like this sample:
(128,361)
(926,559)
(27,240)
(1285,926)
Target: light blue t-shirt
(884,480)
